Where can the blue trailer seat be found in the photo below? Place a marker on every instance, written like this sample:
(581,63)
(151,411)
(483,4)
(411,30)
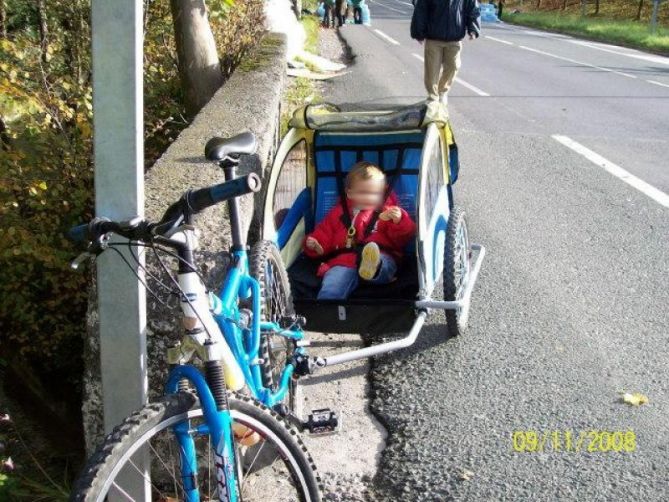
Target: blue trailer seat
(399,155)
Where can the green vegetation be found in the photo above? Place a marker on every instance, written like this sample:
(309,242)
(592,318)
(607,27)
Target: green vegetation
(300,90)
(46,186)
(311,25)
(310,5)
(631,33)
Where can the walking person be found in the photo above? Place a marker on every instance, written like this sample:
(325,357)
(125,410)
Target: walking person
(357,11)
(329,13)
(442,25)
(341,8)
(500,8)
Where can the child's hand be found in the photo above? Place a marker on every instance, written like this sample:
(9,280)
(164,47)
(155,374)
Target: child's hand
(393,213)
(314,245)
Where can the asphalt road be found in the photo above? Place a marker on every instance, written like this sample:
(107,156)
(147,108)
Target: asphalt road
(572,305)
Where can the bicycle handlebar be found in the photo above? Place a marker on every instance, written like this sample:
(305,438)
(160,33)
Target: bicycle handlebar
(203,198)
(193,201)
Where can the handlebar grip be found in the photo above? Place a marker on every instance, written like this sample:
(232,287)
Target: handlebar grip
(78,234)
(206,197)
(93,230)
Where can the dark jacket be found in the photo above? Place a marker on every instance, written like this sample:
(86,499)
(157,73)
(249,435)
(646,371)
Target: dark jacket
(448,20)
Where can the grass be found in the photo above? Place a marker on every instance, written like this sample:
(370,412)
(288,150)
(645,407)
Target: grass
(311,25)
(614,24)
(300,90)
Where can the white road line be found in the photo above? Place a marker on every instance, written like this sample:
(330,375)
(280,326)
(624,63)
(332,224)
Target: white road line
(459,80)
(471,87)
(611,49)
(405,3)
(541,34)
(609,70)
(657,83)
(499,40)
(386,37)
(389,8)
(657,195)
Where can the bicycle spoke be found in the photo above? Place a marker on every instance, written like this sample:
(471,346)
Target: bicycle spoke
(122,491)
(174,474)
(209,465)
(146,477)
(250,467)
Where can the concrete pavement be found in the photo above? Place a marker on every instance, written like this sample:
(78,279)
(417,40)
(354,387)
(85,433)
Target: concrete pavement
(571,306)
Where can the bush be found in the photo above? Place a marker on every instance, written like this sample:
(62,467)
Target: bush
(46,174)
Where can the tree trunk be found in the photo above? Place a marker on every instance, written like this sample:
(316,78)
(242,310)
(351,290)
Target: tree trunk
(199,66)
(596,7)
(564,4)
(638,12)
(43,30)
(3,19)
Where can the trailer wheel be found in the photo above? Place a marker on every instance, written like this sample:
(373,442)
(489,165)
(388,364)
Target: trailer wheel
(276,302)
(457,267)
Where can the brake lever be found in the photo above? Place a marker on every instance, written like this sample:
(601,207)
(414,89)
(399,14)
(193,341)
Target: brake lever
(94,249)
(74,265)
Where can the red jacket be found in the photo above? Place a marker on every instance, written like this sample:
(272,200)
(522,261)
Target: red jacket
(331,234)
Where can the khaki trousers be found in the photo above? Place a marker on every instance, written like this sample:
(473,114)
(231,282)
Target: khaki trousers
(442,62)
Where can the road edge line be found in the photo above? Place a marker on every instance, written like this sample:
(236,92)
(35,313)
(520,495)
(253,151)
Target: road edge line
(575,61)
(471,87)
(498,40)
(647,189)
(386,37)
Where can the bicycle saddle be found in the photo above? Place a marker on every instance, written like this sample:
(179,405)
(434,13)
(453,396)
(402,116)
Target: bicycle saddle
(218,149)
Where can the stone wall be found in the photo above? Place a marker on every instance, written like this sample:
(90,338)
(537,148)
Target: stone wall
(250,99)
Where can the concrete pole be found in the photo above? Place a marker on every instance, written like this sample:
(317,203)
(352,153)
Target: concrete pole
(653,18)
(119,194)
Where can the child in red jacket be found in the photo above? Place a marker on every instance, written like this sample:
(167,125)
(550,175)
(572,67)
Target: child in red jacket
(378,230)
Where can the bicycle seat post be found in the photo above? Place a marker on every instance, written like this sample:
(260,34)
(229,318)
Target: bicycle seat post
(238,241)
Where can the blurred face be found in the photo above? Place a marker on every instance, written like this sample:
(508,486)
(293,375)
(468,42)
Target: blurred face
(366,194)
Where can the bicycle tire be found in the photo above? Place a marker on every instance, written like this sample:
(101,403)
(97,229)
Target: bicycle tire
(276,301)
(453,278)
(136,430)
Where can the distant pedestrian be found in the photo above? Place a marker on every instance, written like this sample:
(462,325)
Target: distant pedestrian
(329,16)
(442,24)
(500,8)
(341,7)
(357,10)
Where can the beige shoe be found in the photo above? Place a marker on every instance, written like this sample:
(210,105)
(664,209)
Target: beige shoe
(370,261)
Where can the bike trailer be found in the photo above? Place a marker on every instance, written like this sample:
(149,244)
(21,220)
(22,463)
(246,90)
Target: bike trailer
(416,148)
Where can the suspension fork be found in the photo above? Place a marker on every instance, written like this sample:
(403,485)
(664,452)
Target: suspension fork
(218,424)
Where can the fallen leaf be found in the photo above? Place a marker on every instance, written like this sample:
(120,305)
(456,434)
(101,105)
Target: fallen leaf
(466,475)
(635,399)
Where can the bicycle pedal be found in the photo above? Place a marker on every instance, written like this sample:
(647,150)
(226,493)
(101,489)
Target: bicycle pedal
(323,421)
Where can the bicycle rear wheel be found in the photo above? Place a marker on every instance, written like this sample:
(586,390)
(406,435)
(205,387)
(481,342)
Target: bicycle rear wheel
(272,460)
(276,303)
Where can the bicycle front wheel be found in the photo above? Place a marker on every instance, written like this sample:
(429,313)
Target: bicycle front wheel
(273,463)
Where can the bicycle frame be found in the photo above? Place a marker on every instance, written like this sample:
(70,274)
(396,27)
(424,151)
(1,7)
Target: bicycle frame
(244,342)
(242,337)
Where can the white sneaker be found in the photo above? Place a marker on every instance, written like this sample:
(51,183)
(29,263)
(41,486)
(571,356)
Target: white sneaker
(370,261)
(443,99)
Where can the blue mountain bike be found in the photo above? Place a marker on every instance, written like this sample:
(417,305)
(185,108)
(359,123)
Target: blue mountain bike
(202,442)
